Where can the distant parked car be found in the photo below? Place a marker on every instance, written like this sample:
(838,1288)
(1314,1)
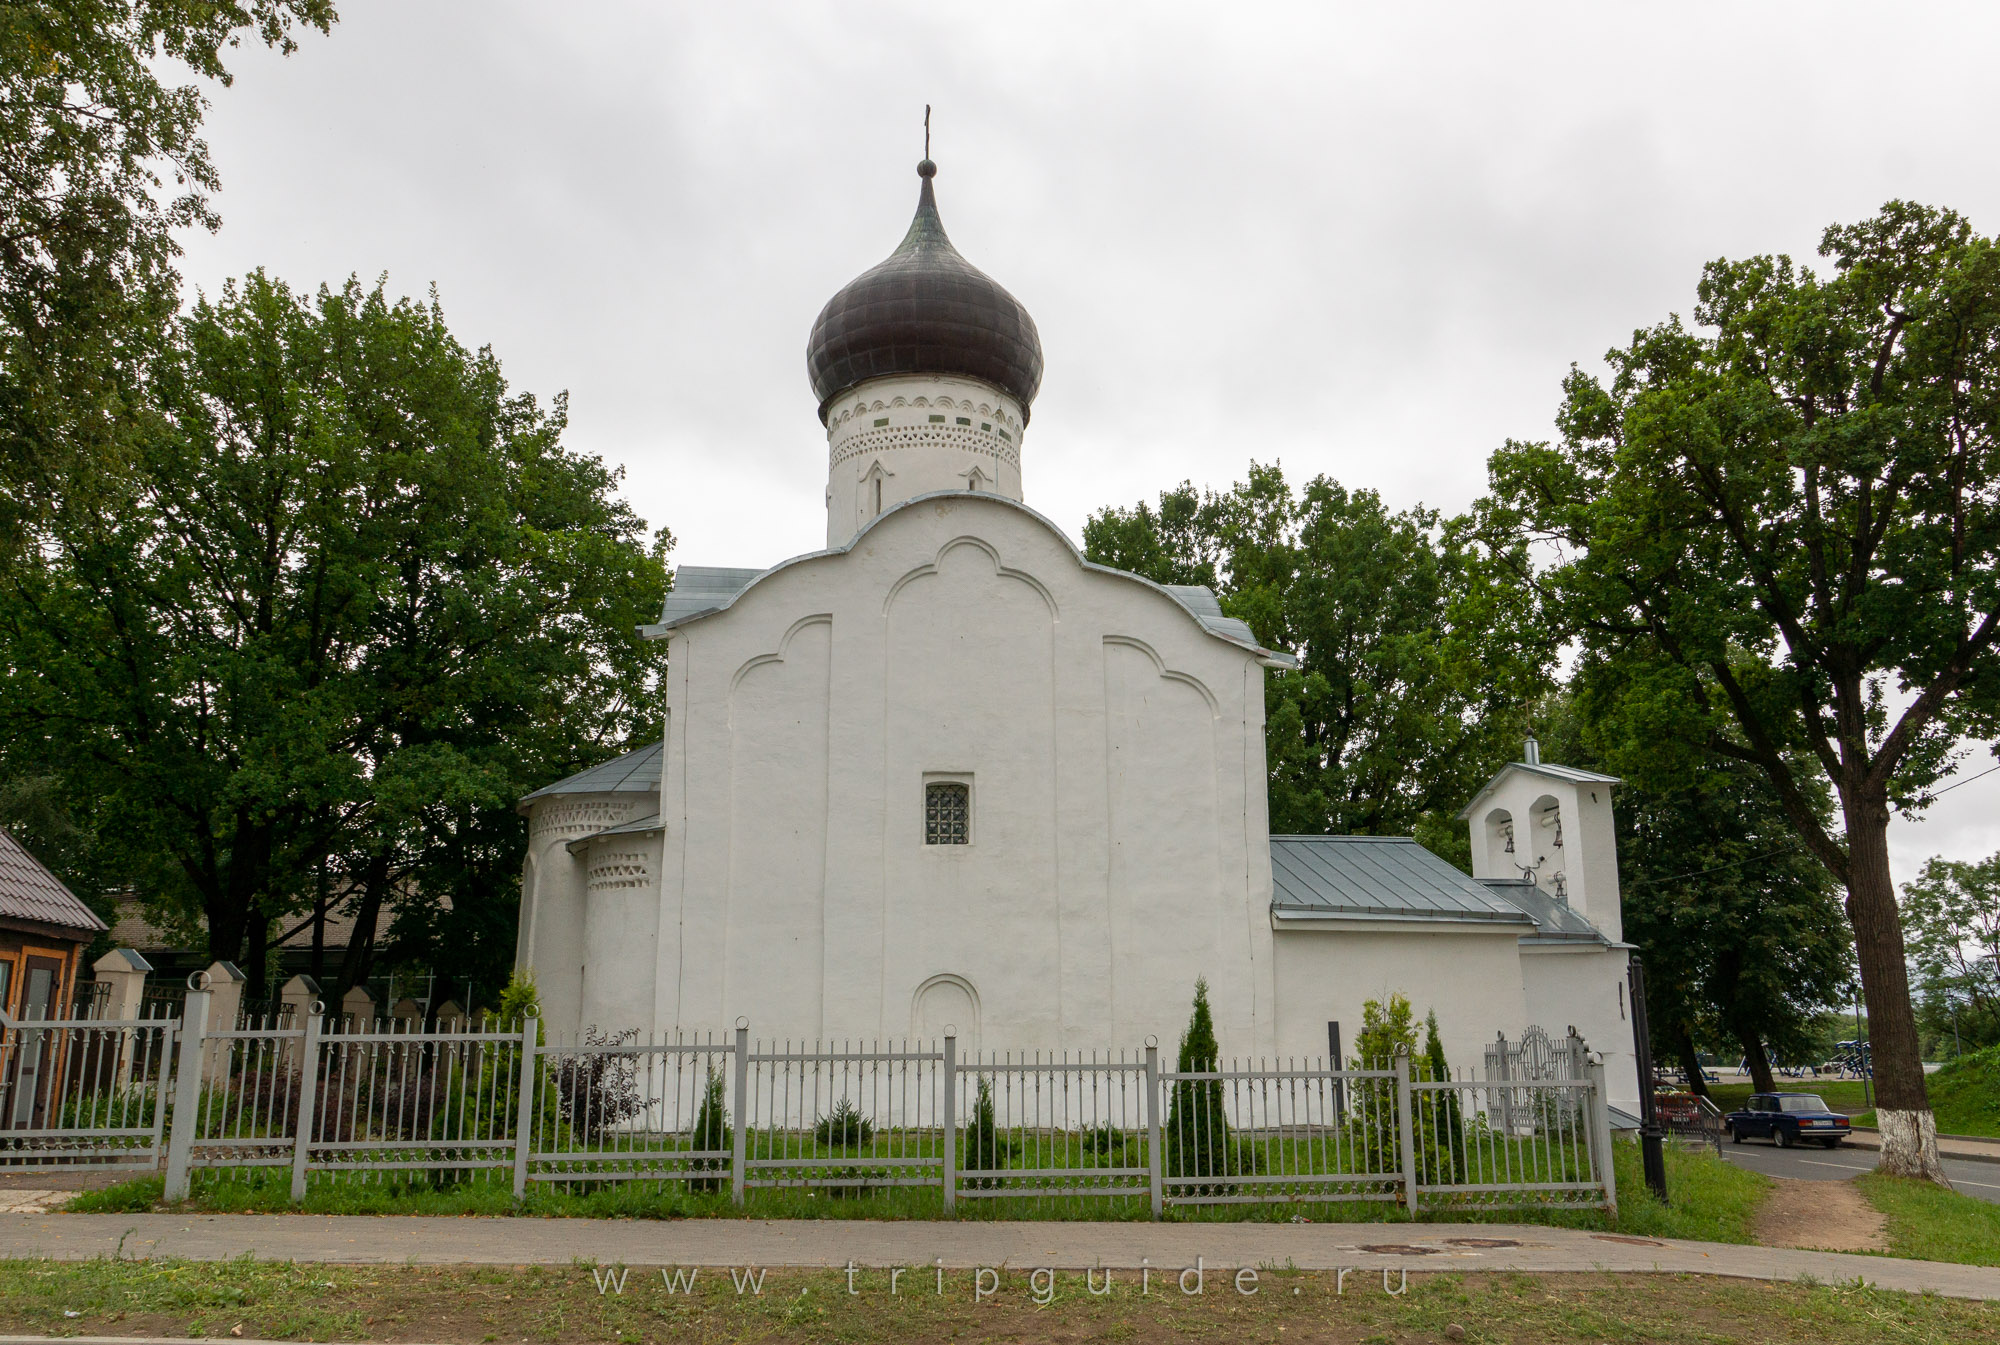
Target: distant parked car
(1786,1119)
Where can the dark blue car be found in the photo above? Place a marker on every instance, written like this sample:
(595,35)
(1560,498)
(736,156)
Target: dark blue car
(1786,1119)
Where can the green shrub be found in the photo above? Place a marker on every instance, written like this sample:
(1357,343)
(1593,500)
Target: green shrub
(844,1127)
(985,1148)
(711,1131)
(1374,1113)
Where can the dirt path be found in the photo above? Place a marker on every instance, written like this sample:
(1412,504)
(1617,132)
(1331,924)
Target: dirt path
(1823,1216)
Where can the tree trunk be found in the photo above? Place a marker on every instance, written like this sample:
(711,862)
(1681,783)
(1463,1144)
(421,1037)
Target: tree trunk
(359,959)
(1902,1104)
(1759,1061)
(1690,1062)
(257,956)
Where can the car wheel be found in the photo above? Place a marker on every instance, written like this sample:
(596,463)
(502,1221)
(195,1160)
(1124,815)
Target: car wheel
(1735,1135)
(1785,1138)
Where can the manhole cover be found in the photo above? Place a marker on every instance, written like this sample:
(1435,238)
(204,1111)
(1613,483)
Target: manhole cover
(1482,1242)
(1397,1249)
(1630,1242)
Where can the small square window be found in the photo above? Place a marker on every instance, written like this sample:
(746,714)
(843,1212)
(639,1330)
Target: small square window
(880,421)
(947,813)
(965,420)
(937,420)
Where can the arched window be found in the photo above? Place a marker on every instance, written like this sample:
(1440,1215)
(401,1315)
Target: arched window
(947,813)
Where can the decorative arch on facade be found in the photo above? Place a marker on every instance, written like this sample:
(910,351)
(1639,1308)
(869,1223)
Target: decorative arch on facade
(777,655)
(1001,569)
(1170,674)
(946,1000)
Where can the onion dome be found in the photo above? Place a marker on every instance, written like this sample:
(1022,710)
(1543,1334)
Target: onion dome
(925,310)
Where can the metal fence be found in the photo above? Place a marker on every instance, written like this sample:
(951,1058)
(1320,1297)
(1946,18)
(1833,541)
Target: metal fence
(329,1100)
(83,1093)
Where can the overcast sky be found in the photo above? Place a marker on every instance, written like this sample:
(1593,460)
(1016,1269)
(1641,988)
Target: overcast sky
(1363,240)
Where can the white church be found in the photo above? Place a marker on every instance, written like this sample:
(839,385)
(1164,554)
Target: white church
(945,771)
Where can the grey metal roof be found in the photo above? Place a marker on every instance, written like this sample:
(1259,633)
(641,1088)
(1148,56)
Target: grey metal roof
(637,772)
(1568,774)
(1376,878)
(28,891)
(702,590)
(1555,921)
(1205,608)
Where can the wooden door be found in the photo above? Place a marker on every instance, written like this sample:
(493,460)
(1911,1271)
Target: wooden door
(28,1091)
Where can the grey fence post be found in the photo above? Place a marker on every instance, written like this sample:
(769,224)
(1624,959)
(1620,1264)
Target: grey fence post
(187,1092)
(1600,1134)
(950,1119)
(739,1137)
(1154,1158)
(524,1115)
(1406,1130)
(308,1098)
(1506,1094)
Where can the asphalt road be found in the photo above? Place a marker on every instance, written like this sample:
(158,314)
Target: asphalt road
(1814,1164)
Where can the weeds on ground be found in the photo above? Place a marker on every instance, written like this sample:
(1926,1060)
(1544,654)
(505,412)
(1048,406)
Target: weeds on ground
(546,1303)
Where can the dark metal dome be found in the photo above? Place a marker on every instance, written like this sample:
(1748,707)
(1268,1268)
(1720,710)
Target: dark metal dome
(925,310)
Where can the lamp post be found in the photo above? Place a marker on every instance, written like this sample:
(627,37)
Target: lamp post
(1650,1131)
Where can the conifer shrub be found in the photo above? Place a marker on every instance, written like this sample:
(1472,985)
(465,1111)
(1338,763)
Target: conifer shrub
(986,1149)
(711,1131)
(1197,1138)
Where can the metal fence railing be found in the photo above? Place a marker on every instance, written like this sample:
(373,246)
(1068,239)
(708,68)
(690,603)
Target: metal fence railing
(85,1093)
(331,1100)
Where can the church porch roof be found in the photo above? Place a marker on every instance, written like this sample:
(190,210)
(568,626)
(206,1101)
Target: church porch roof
(1555,921)
(1377,878)
(636,772)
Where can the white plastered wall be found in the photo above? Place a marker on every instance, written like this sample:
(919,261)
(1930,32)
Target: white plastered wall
(1470,976)
(1583,986)
(1115,755)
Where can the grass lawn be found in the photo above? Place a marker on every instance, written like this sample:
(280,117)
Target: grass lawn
(1711,1200)
(1933,1224)
(464,1305)
(1843,1095)
(1965,1095)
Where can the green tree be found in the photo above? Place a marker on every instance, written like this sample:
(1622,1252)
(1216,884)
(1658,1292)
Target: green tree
(1782,529)
(356,599)
(1418,650)
(91,137)
(1741,931)
(1953,914)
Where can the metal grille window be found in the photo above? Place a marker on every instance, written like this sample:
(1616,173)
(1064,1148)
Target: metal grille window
(947,814)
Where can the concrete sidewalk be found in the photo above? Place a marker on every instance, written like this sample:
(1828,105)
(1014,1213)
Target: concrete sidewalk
(1966,1147)
(352,1239)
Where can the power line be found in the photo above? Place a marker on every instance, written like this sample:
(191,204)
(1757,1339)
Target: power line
(1966,781)
(1675,878)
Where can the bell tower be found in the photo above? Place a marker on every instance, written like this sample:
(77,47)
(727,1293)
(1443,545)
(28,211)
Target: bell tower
(1552,826)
